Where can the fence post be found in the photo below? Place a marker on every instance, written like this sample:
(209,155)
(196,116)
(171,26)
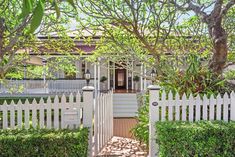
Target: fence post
(153,99)
(88,104)
(232,113)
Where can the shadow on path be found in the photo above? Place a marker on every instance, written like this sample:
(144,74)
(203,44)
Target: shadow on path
(123,147)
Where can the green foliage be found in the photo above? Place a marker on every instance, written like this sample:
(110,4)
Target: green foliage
(178,139)
(27,143)
(141,130)
(190,77)
(230,75)
(37,16)
(136,78)
(103,79)
(20,19)
(27,8)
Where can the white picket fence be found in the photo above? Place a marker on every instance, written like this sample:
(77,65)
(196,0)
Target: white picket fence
(166,107)
(43,114)
(60,112)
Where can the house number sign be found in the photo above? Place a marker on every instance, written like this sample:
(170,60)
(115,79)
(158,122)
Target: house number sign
(155,103)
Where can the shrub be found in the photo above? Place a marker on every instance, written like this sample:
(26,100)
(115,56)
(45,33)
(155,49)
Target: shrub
(178,139)
(103,79)
(141,129)
(27,143)
(193,78)
(136,78)
(230,75)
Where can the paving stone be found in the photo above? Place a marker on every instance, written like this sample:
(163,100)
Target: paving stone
(123,147)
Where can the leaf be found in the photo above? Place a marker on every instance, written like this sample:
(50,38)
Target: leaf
(71,2)
(57,9)
(27,8)
(37,16)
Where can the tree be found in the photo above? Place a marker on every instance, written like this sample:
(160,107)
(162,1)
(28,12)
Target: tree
(214,21)
(20,22)
(155,27)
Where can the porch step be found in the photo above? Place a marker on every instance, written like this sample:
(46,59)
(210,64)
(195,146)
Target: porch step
(125,105)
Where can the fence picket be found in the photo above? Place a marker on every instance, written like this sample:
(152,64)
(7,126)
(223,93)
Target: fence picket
(177,107)
(19,114)
(12,114)
(100,120)
(56,112)
(34,113)
(163,106)
(96,126)
(105,117)
(48,110)
(198,108)
(72,106)
(41,113)
(232,107)
(64,107)
(212,107)
(184,107)
(191,107)
(225,107)
(5,116)
(204,107)
(219,102)
(26,114)
(170,106)
(78,105)
(103,129)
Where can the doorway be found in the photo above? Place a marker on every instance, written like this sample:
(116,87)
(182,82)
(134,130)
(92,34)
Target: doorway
(120,79)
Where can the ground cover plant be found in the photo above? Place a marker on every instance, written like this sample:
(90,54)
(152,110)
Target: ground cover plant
(203,138)
(28,143)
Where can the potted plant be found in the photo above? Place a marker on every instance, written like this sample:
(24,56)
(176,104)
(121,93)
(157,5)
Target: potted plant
(102,80)
(136,79)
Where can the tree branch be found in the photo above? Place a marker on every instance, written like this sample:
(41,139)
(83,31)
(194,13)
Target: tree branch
(230,4)
(191,7)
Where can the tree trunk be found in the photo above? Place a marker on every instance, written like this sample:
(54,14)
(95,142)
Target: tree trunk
(220,49)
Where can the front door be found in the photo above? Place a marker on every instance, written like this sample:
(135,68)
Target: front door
(120,78)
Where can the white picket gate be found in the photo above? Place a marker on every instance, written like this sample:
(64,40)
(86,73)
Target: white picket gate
(59,113)
(103,121)
(166,107)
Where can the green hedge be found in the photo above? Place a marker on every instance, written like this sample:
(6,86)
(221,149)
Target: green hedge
(201,139)
(44,143)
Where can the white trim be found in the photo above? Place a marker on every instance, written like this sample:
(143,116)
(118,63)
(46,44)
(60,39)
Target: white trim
(127,79)
(95,73)
(132,76)
(98,76)
(141,77)
(145,83)
(113,75)
(85,65)
(108,76)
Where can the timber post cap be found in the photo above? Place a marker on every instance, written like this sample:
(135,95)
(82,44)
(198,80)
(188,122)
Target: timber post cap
(154,87)
(88,88)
